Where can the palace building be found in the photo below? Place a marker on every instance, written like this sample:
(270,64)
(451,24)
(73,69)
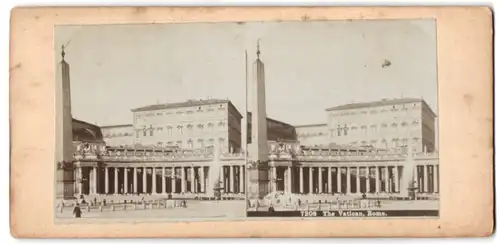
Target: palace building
(387,124)
(191,148)
(191,124)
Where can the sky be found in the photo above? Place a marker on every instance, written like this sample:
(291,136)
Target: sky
(310,66)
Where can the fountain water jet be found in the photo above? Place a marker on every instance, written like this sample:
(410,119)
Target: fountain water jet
(214,177)
(408,177)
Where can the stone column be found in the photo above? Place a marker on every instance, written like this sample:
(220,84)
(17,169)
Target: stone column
(202,179)
(330,180)
(358,181)
(396,179)
(339,180)
(231,179)
(320,180)
(416,181)
(163,181)
(183,180)
(348,180)
(95,180)
(202,182)
(106,180)
(242,179)
(301,180)
(135,180)
(274,177)
(80,183)
(193,190)
(144,180)
(91,181)
(117,191)
(435,181)
(153,176)
(377,179)
(426,179)
(310,180)
(222,178)
(367,179)
(386,176)
(173,180)
(289,184)
(125,180)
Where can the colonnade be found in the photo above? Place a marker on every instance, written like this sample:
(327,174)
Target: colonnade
(157,180)
(353,179)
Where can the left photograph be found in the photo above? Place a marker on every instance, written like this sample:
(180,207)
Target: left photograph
(148,122)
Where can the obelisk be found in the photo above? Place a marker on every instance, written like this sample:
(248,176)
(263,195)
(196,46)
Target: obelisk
(65,181)
(258,170)
(244,120)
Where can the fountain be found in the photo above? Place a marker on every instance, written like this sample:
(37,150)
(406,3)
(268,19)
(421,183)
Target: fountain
(409,177)
(214,178)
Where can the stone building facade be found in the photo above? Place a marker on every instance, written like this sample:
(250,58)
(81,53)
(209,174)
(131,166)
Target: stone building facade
(180,127)
(385,124)
(191,124)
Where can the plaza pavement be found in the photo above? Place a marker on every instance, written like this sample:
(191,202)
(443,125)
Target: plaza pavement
(195,210)
(384,205)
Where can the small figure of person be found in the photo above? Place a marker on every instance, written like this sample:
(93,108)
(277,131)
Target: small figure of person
(271,209)
(101,206)
(77,211)
(61,206)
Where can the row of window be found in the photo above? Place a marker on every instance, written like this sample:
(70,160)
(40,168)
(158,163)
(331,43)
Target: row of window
(343,131)
(395,142)
(353,130)
(199,109)
(191,143)
(180,129)
(384,110)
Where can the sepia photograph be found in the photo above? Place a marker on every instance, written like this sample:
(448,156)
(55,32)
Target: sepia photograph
(354,120)
(149,121)
(341,122)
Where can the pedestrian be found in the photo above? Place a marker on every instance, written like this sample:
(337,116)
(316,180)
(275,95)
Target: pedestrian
(77,211)
(271,209)
(61,206)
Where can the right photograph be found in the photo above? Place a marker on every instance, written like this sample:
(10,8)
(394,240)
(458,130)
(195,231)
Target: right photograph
(343,120)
